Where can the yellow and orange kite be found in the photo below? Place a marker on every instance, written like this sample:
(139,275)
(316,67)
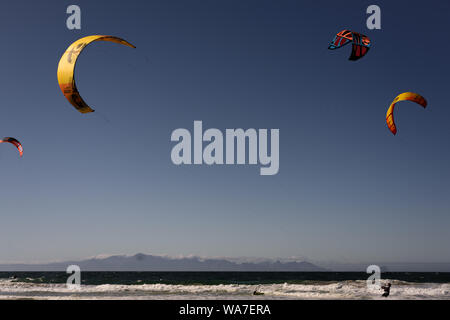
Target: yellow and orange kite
(411,96)
(66,68)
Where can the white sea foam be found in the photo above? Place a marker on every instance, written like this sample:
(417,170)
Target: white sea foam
(10,289)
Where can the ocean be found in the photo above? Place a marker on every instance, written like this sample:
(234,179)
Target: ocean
(222,285)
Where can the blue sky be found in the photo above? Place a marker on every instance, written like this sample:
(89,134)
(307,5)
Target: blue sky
(347,189)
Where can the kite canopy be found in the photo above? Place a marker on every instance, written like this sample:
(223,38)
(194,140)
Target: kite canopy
(411,96)
(360,43)
(14,142)
(66,69)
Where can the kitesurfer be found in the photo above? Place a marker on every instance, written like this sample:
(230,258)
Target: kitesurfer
(387,290)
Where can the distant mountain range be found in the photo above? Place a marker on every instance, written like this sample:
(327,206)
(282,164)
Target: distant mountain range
(143,262)
(390,267)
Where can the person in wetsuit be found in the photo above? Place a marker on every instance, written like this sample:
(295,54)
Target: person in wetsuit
(387,290)
(256,292)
